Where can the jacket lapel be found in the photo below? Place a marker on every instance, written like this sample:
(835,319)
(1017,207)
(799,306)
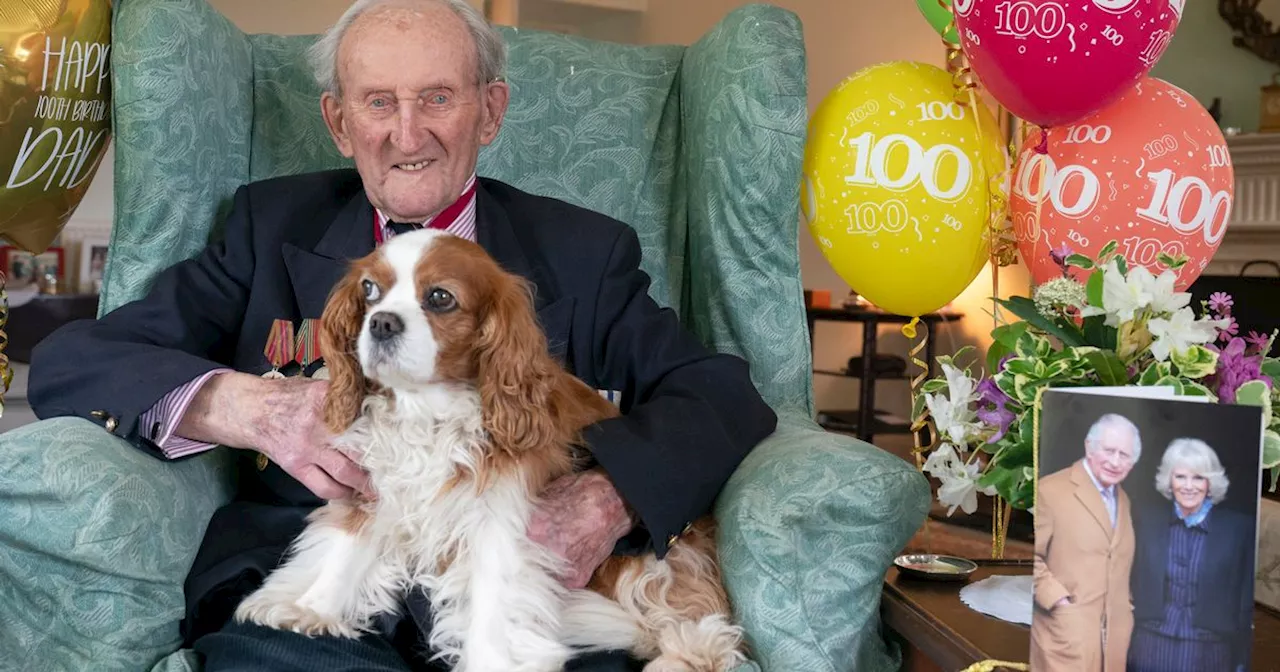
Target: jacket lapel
(318,259)
(1089,496)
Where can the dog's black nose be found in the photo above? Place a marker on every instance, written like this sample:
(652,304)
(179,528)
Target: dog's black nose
(384,325)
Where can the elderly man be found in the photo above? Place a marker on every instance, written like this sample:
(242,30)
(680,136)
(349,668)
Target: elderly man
(411,90)
(1084,549)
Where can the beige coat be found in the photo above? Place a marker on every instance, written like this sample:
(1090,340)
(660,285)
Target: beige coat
(1078,554)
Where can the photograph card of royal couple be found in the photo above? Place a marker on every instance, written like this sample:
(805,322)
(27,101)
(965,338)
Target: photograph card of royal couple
(1146,518)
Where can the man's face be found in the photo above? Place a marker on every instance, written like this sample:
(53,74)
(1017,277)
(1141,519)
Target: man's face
(1111,458)
(1189,488)
(412,111)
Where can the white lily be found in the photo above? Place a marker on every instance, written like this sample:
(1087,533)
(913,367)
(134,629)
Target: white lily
(941,460)
(953,414)
(1122,297)
(1180,332)
(960,488)
(1165,301)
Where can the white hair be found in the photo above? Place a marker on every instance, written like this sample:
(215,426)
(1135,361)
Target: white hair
(1113,420)
(491,51)
(1197,456)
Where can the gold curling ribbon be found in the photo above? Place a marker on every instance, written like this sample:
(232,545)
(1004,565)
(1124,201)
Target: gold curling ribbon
(921,421)
(6,373)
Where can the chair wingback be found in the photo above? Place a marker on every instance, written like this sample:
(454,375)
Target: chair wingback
(698,148)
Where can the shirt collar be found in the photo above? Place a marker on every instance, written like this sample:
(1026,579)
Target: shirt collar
(463,226)
(1197,518)
(1109,490)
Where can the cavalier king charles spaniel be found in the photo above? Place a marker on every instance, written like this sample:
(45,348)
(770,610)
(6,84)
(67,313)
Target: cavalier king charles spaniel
(443,390)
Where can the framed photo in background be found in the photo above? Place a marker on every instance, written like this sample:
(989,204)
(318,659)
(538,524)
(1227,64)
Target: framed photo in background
(18,265)
(93,260)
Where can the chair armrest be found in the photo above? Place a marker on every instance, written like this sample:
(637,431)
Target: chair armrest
(182,104)
(96,538)
(809,524)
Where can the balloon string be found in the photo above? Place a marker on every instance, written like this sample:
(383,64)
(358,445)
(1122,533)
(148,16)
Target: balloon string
(6,373)
(920,422)
(1043,146)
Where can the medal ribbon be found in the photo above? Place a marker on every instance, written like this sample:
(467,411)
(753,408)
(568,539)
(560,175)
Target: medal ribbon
(280,343)
(308,343)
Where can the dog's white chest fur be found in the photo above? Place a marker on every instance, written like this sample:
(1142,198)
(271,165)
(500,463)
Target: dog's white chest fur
(493,592)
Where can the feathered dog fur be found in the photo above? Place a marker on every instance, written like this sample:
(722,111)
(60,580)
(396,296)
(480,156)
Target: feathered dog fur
(443,388)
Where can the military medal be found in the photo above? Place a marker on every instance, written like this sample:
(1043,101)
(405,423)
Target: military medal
(279,348)
(309,348)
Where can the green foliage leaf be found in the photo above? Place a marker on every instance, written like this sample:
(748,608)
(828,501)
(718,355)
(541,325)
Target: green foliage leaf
(1021,366)
(1093,289)
(933,385)
(1192,389)
(1107,250)
(1270,449)
(1098,334)
(1173,263)
(1256,393)
(1079,261)
(1111,371)
(1271,367)
(917,406)
(1122,266)
(1154,372)
(995,353)
(1170,381)
(1196,362)
(1005,381)
(1026,309)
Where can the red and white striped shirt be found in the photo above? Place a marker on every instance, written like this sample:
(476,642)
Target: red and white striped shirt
(160,421)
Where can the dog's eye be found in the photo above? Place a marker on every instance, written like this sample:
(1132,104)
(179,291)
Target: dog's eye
(371,291)
(439,300)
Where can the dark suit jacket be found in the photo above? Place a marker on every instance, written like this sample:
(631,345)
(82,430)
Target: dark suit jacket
(1224,589)
(691,415)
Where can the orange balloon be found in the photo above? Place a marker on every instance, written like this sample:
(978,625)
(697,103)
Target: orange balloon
(1150,171)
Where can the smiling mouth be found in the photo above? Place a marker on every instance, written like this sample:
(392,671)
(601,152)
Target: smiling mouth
(413,167)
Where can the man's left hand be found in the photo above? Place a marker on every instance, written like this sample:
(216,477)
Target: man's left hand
(580,518)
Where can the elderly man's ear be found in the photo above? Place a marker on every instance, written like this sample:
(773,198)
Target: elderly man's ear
(496,97)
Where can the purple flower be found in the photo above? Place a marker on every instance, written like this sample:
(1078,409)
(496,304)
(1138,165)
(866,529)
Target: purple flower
(991,410)
(1060,254)
(1236,369)
(1257,340)
(1000,366)
(1219,302)
(1228,333)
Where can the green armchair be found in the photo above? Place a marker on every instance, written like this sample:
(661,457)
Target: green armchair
(698,148)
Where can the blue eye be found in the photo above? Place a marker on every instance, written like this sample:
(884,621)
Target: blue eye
(439,99)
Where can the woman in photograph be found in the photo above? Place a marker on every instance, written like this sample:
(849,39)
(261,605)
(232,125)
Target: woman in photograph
(1192,577)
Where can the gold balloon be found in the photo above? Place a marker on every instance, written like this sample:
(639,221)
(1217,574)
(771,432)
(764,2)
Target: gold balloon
(55,112)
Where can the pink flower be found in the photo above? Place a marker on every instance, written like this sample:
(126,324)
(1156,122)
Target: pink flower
(1257,340)
(1232,329)
(1219,302)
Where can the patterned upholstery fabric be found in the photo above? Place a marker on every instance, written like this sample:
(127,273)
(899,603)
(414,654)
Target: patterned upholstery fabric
(698,148)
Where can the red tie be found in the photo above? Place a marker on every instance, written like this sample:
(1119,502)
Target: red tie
(442,221)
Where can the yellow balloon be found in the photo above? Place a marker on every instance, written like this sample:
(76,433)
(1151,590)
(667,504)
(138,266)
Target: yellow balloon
(898,183)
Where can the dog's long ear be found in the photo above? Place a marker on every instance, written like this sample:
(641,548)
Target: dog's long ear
(339,329)
(516,373)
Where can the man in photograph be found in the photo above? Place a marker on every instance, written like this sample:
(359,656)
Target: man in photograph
(1084,547)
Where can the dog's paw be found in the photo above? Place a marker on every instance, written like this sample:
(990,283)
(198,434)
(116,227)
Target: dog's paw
(264,611)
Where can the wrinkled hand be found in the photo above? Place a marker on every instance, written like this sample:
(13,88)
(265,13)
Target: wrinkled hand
(580,518)
(292,433)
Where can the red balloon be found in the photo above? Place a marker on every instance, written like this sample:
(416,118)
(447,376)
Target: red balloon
(1054,62)
(1151,171)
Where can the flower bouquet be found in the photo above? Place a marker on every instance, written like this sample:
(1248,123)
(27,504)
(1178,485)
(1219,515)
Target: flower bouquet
(1123,326)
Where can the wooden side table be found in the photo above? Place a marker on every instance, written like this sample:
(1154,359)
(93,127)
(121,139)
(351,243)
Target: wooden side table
(938,632)
(866,421)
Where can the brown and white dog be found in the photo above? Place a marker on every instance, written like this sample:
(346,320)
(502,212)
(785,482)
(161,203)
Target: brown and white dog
(443,389)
